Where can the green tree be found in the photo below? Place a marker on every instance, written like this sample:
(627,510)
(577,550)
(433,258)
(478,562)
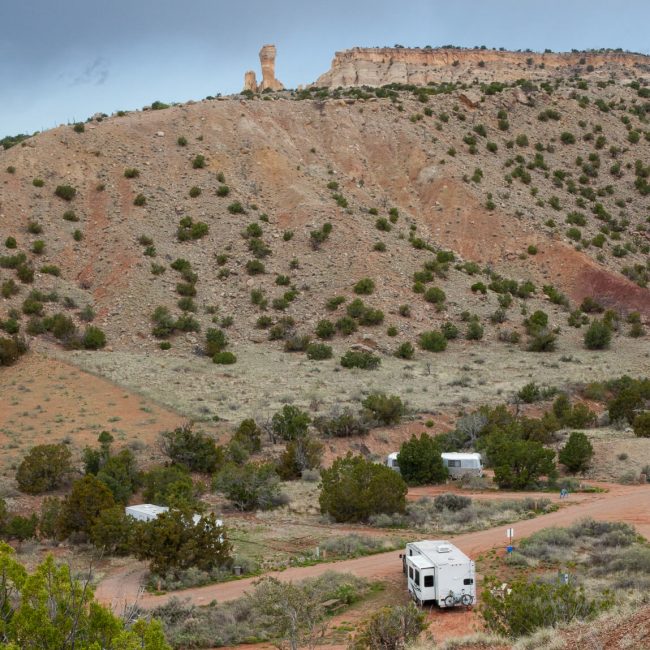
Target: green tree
(354,488)
(249,486)
(169,486)
(518,463)
(391,628)
(300,454)
(113,531)
(48,525)
(527,606)
(577,453)
(249,435)
(420,461)
(625,404)
(290,423)
(88,497)
(121,476)
(173,541)
(641,425)
(598,335)
(194,450)
(46,467)
(50,609)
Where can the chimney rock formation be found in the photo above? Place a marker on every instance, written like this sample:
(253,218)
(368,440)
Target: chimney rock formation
(269,82)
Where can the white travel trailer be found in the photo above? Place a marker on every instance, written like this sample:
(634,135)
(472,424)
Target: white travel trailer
(438,572)
(391,461)
(149,512)
(459,464)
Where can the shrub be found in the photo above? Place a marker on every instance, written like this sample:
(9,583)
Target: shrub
(93,338)
(452,502)
(518,463)
(290,423)
(527,606)
(394,627)
(194,450)
(223,190)
(188,229)
(249,486)
(386,409)
(432,341)
(405,351)
(325,329)
(641,425)
(65,192)
(131,172)
(195,191)
(169,486)
(255,267)
(224,358)
(181,141)
(474,331)
(420,461)
(301,454)
(360,359)
(354,488)
(198,162)
(249,436)
(342,425)
(10,242)
(174,541)
(577,452)
(46,467)
(598,335)
(319,351)
(236,208)
(567,138)
(435,295)
(346,325)
(215,341)
(365,286)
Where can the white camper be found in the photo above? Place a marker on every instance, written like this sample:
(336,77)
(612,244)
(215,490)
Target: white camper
(438,572)
(145,511)
(459,464)
(149,512)
(391,461)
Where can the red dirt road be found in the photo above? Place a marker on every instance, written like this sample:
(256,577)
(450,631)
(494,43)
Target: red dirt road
(630,504)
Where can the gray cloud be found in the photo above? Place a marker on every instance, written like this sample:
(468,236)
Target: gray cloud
(95,74)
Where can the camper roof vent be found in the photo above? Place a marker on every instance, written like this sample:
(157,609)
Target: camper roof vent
(444,548)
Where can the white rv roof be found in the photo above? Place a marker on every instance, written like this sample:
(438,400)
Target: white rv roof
(440,551)
(393,455)
(147,509)
(454,455)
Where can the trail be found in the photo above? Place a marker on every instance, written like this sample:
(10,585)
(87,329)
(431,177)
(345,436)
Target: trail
(630,504)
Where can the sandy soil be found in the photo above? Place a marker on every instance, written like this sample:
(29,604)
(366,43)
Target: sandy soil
(264,378)
(46,400)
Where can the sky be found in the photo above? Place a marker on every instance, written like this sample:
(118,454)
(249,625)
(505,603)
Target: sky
(64,60)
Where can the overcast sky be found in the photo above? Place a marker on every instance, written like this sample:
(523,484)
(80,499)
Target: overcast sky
(63,60)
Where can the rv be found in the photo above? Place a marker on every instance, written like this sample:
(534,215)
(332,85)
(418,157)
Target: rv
(391,461)
(438,572)
(149,512)
(460,465)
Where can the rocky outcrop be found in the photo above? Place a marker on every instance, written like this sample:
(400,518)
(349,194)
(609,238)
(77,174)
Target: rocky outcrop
(250,81)
(267,60)
(420,66)
(269,82)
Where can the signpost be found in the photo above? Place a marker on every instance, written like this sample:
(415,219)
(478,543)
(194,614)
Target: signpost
(510,534)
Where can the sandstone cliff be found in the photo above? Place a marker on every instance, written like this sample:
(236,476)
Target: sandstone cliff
(380,66)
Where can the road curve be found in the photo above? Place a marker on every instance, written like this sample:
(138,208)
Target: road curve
(630,504)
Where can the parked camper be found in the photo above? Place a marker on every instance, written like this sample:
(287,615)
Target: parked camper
(438,572)
(145,511)
(149,512)
(391,461)
(462,464)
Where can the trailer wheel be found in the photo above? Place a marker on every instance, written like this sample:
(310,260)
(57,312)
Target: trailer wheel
(449,601)
(466,600)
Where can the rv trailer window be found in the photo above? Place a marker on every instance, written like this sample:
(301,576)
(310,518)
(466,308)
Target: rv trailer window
(468,581)
(417,577)
(454,463)
(428,581)
(411,572)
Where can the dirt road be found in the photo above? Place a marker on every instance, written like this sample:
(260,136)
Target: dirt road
(622,503)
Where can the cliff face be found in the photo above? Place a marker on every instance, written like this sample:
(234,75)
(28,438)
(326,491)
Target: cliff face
(379,66)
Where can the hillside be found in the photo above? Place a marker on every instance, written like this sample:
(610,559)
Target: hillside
(477,190)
